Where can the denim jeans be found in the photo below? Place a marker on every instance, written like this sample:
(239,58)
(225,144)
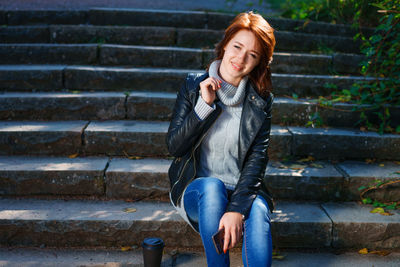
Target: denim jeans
(205,202)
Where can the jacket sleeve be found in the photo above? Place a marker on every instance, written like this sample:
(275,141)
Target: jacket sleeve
(185,126)
(251,177)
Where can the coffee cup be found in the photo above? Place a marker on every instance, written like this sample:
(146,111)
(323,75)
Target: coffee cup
(152,251)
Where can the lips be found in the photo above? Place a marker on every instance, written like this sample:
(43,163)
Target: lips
(236,67)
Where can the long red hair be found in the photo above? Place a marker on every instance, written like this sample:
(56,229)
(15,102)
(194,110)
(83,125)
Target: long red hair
(261,74)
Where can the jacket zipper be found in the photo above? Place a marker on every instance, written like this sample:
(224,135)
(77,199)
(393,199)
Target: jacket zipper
(194,158)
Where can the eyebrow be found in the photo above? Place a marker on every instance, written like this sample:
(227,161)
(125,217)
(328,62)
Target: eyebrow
(243,45)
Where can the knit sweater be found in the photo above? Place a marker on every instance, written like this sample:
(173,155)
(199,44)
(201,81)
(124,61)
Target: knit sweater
(219,149)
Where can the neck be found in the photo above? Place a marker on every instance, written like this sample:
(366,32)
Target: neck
(229,94)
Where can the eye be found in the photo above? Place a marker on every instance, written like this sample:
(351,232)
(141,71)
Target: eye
(254,56)
(236,46)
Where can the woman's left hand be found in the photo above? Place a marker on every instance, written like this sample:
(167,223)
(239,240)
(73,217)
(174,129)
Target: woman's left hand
(232,222)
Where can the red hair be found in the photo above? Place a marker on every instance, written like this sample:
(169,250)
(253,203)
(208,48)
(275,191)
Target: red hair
(261,74)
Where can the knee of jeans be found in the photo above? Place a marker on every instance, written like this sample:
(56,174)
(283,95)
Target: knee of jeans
(260,207)
(211,185)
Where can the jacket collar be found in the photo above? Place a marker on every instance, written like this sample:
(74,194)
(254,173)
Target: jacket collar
(197,80)
(254,98)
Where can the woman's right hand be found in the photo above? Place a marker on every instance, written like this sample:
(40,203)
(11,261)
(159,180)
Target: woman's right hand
(208,87)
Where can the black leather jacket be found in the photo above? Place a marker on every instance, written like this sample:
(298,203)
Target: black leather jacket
(186,131)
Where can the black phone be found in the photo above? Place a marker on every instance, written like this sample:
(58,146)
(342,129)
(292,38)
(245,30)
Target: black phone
(218,240)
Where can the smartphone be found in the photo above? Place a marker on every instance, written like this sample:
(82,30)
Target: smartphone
(218,240)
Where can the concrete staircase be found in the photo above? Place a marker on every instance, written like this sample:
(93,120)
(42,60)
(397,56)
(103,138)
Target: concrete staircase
(86,98)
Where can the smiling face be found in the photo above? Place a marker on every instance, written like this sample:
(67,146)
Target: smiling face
(242,54)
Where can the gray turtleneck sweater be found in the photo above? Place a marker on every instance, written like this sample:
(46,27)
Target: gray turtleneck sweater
(219,149)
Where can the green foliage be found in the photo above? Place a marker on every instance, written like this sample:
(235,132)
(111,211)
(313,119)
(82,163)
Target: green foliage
(383,63)
(314,120)
(367,200)
(377,185)
(333,11)
(393,206)
(324,49)
(374,97)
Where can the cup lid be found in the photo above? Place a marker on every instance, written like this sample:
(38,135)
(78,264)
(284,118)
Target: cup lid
(153,242)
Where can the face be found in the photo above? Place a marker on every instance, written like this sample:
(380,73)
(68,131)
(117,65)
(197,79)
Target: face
(242,54)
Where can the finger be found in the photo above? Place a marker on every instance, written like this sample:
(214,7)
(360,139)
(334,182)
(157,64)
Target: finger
(217,83)
(227,240)
(211,85)
(234,239)
(217,80)
(207,83)
(221,225)
(239,234)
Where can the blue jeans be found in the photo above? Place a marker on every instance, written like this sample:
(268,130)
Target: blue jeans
(205,202)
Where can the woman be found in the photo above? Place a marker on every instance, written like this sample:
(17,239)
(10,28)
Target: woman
(219,136)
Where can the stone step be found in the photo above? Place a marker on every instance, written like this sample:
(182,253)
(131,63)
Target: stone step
(80,106)
(31,77)
(166,57)
(341,142)
(45,138)
(123,178)
(169,18)
(58,176)
(87,78)
(48,54)
(208,20)
(32,17)
(136,106)
(164,36)
(78,223)
(291,258)
(48,257)
(147,139)
(70,257)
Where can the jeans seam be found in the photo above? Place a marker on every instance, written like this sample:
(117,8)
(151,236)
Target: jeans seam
(245,245)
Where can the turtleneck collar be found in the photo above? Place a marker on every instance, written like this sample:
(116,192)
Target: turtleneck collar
(228,94)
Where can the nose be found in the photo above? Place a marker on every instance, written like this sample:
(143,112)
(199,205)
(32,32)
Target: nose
(241,56)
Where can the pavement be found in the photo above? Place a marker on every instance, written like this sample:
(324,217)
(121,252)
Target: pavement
(205,5)
(29,257)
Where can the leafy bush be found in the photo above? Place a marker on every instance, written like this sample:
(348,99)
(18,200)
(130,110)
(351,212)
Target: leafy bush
(382,51)
(333,11)
(383,62)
